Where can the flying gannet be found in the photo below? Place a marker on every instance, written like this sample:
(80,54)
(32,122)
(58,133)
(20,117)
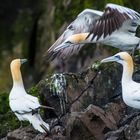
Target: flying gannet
(24,106)
(130,88)
(116,27)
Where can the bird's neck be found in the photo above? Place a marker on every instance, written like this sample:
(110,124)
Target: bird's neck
(127,71)
(17,77)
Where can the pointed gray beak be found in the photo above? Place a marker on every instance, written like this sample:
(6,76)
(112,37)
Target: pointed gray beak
(23,61)
(109,59)
(61,46)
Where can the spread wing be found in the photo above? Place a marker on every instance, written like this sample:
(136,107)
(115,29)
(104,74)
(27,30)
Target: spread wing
(99,25)
(83,23)
(112,20)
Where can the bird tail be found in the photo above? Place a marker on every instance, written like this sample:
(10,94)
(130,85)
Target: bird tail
(39,124)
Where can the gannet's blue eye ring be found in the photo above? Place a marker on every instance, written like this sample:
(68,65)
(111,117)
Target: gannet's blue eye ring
(68,42)
(118,57)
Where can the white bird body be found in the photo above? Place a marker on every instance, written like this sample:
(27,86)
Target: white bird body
(117,40)
(23,104)
(131,94)
(116,27)
(130,88)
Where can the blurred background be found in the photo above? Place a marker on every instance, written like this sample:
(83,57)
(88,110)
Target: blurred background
(28,28)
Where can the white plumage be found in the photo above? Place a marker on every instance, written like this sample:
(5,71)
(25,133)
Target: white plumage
(25,106)
(130,88)
(116,26)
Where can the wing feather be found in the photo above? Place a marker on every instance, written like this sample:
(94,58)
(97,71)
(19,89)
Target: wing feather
(25,104)
(113,18)
(97,24)
(82,24)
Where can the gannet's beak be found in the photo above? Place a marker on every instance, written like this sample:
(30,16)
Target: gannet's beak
(109,59)
(23,61)
(62,46)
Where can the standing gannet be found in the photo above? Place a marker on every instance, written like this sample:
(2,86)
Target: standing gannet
(22,104)
(130,88)
(116,26)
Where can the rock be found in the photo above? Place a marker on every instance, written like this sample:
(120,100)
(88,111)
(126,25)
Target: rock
(116,135)
(116,109)
(81,121)
(90,124)
(85,85)
(49,95)
(58,133)
(42,137)
(93,123)
(22,133)
(132,132)
(128,118)
(26,133)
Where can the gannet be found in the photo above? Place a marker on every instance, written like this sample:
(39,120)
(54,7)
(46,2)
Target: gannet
(130,88)
(24,106)
(116,27)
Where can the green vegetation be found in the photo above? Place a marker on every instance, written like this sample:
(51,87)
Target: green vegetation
(96,65)
(34,91)
(8,120)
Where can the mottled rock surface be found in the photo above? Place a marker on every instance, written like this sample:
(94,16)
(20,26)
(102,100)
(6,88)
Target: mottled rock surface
(94,123)
(87,117)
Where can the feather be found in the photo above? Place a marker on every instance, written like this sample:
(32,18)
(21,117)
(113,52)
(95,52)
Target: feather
(98,24)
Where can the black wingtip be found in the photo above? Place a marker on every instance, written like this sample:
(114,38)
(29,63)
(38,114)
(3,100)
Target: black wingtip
(44,128)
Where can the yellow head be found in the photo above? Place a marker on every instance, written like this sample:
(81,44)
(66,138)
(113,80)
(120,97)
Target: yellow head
(127,60)
(73,39)
(15,69)
(123,58)
(77,38)
(120,57)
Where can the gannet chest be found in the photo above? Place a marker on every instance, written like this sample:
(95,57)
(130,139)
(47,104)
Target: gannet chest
(131,94)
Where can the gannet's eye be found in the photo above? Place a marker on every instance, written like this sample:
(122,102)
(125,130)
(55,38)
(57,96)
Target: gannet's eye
(68,42)
(71,27)
(118,57)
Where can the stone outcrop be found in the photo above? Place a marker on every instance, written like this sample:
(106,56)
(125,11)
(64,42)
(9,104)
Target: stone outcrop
(110,122)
